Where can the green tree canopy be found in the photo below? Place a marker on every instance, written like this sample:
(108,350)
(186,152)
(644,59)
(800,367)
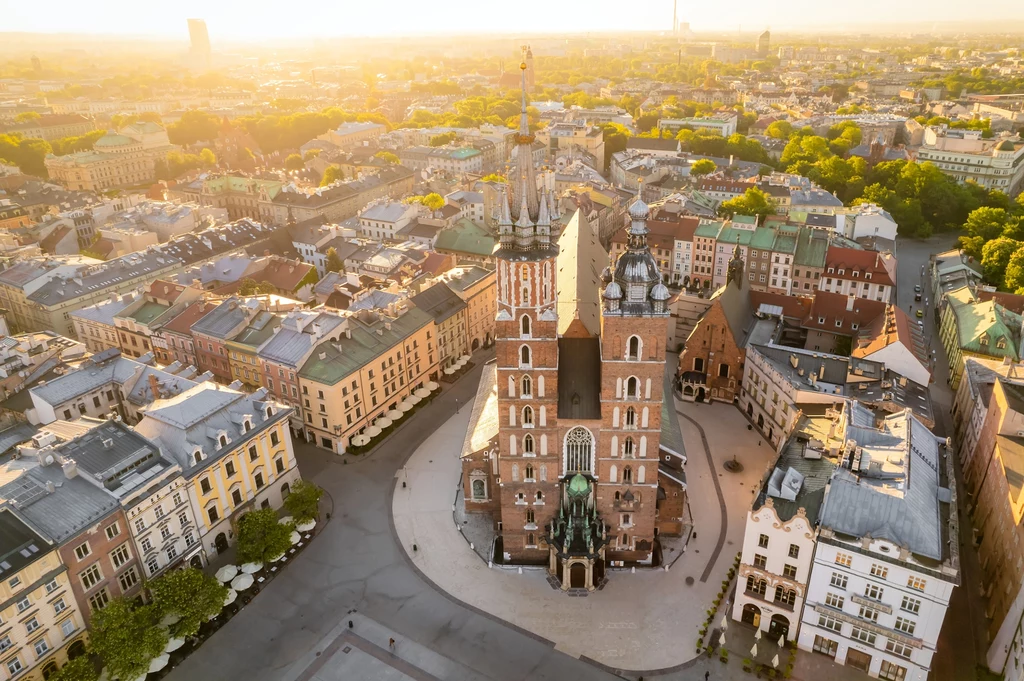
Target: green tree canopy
(80,668)
(494,177)
(27,117)
(995,257)
(333,262)
(387,157)
(334,173)
(127,637)
(753,202)
(442,139)
(294,162)
(987,223)
(207,157)
(303,503)
(261,538)
(433,200)
(251,287)
(1014,279)
(191,595)
(703,166)
(194,126)
(779,130)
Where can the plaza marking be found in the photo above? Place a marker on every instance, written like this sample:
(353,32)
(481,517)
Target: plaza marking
(721,499)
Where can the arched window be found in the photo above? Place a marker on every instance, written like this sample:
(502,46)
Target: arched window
(618,495)
(479,489)
(527,386)
(627,474)
(531,517)
(633,351)
(527,416)
(515,472)
(630,417)
(531,539)
(527,444)
(524,356)
(529,473)
(627,448)
(247,426)
(223,440)
(543,473)
(525,325)
(579,446)
(613,475)
(197,456)
(633,387)
(540,495)
(640,475)
(270,412)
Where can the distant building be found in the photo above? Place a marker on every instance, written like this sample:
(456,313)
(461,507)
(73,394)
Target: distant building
(126,158)
(723,124)
(965,155)
(53,126)
(200,40)
(764,44)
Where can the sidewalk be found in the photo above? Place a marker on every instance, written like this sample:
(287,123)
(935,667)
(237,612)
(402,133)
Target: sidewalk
(645,620)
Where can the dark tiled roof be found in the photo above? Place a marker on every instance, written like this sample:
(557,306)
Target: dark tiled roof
(439,301)
(579,378)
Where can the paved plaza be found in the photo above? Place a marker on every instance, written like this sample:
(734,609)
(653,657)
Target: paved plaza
(647,620)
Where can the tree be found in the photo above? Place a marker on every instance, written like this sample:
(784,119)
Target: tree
(387,157)
(701,167)
(261,538)
(334,173)
(988,223)
(1014,279)
(753,202)
(333,262)
(194,126)
(616,136)
(127,637)
(191,595)
(995,257)
(207,157)
(251,287)
(80,668)
(779,130)
(304,501)
(27,117)
(494,177)
(294,162)
(442,139)
(433,200)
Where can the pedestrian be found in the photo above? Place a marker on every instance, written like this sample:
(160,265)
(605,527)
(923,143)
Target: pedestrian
(707,675)
(391,643)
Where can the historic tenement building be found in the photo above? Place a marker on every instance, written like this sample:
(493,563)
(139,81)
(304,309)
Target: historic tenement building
(567,443)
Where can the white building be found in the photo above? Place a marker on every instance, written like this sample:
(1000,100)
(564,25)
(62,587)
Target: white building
(893,340)
(384,219)
(965,155)
(883,570)
(866,221)
(723,124)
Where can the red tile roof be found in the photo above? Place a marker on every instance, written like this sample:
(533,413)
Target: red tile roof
(829,313)
(1011,301)
(856,263)
(794,307)
(190,315)
(665,232)
(282,273)
(893,326)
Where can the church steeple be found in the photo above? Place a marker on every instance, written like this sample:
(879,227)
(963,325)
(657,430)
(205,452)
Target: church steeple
(636,287)
(522,183)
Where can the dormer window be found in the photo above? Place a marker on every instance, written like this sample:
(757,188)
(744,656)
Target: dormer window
(867,275)
(247,426)
(1001,342)
(270,412)
(223,440)
(984,341)
(197,456)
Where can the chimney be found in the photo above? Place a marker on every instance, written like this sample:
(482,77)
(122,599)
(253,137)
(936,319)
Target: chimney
(793,361)
(849,302)
(821,371)
(70,468)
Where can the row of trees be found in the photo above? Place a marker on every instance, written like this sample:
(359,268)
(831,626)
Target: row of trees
(126,635)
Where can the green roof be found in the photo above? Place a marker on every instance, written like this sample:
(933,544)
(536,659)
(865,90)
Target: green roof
(578,486)
(148,312)
(763,238)
(333,361)
(984,321)
(709,230)
(259,330)
(745,219)
(731,235)
(810,252)
(785,242)
(113,140)
(466,237)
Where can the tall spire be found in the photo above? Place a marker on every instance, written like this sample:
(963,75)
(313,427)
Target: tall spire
(524,121)
(523,177)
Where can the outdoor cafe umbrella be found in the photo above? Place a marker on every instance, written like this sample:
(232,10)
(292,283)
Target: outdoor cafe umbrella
(226,573)
(782,640)
(295,537)
(465,358)
(383,422)
(432,386)
(725,622)
(230,598)
(159,662)
(373,431)
(753,651)
(775,661)
(757,636)
(394,415)
(306,526)
(420,393)
(173,644)
(250,568)
(406,405)
(721,640)
(242,582)
(449,371)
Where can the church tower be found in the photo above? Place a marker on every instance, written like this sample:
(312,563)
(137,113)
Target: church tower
(635,322)
(527,352)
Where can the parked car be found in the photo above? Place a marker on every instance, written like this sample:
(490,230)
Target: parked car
(917,288)
(917,297)
(919,313)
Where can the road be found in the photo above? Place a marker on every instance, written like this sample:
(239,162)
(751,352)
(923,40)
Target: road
(963,640)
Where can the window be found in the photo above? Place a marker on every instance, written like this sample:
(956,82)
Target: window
(146,544)
(41,646)
(236,497)
(90,577)
(14,582)
(844,559)
(916,583)
(253,454)
(140,525)
(897,648)
(762,541)
(99,600)
(794,551)
(879,570)
(212,513)
(171,552)
(633,387)
(634,348)
(14,666)
(52,586)
(527,416)
(82,550)
(204,485)
(31,625)
(152,566)
(279,464)
(838,580)
(159,511)
(905,625)
(760,561)
(120,555)
(911,605)
(223,440)
(868,613)
(892,672)
(873,591)
(829,622)
(528,444)
(834,601)
(59,606)
(527,386)
(525,325)
(68,627)
(863,635)
(524,358)
(258,478)
(274,439)
(5,643)
(789,571)
(229,469)
(113,530)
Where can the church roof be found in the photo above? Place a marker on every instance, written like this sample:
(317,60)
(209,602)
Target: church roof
(580,261)
(579,378)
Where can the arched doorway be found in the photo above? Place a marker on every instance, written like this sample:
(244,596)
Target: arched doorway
(779,626)
(476,343)
(688,390)
(76,649)
(577,576)
(701,394)
(760,420)
(50,669)
(750,409)
(751,615)
(221,542)
(196,561)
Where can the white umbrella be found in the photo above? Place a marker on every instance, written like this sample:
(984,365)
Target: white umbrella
(775,661)
(465,358)
(405,406)
(394,414)
(169,619)
(250,568)
(420,393)
(281,557)
(159,662)
(274,559)
(295,537)
(242,582)
(725,622)
(230,598)
(753,651)
(227,573)
(372,431)
(174,644)
(432,386)
(306,526)
(384,422)
(782,640)
(360,440)
(721,639)
(757,636)
(449,371)
(287,519)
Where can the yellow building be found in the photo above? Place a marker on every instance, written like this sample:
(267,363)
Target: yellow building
(475,285)
(450,314)
(242,349)
(126,158)
(234,450)
(348,384)
(42,623)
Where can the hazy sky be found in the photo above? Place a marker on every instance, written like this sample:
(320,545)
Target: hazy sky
(236,20)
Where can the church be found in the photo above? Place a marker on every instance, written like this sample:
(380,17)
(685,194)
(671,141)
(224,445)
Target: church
(574,445)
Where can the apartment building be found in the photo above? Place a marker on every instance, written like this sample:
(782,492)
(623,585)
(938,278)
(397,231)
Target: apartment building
(243,349)
(453,159)
(449,312)
(353,134)
(348,383)
(239,195)
(476,286)
(24,278)
(338,202)
(160,302)
(562,137)
(965,155)
(53,126)
(173,341)
(671,240)
(213,329)
(382,220)
(233,450)
(971,328)
(859,273)
(723,125)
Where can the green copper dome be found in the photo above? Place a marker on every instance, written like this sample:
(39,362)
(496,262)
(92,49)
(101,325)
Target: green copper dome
(578,486)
